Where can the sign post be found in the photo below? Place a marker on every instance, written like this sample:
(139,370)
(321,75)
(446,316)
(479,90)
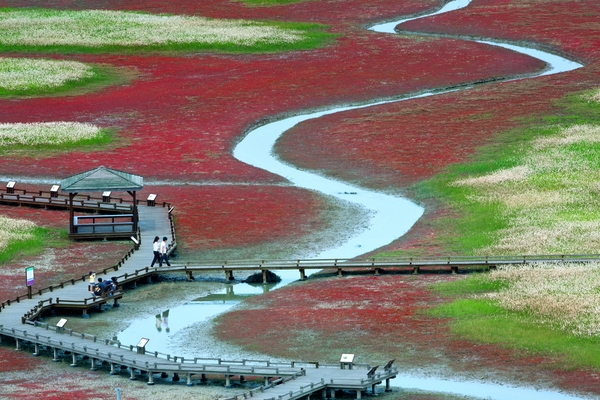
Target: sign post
(30,280)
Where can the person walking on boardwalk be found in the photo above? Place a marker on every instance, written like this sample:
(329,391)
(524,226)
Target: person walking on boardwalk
(164,256)
(156,251)
(92,281)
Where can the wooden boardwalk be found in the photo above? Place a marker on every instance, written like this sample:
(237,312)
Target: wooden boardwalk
(377,265)
(282,380)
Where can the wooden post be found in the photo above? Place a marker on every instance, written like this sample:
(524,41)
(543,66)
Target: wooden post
(150,378)
(302,274)
(377,271)
(264,276)
(135,210)
(387,385)
(189,275)
(189,380)
(339,272)
(55,359)
(132,375)
(71,213)
(74,363)
(415,270)
(227,381)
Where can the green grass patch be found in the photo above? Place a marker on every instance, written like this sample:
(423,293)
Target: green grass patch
(37,30)
(467,308)
(485,321)
(105,137)
(481,321)
(473,284)
(32,245)
(101,77)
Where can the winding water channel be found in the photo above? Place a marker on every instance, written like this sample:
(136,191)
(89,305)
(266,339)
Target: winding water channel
(390,218)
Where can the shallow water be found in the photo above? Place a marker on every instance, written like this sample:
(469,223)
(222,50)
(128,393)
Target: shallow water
(391,217)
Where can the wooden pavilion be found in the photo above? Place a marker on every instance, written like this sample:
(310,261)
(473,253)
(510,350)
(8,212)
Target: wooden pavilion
(116,225)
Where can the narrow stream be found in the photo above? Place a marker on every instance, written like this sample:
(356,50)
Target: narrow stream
(390,218)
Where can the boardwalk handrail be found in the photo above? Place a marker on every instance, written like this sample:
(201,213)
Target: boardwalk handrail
(194,363)
(390,261)
(166,365)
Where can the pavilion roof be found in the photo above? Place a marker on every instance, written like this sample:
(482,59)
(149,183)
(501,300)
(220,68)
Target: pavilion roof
(102,179)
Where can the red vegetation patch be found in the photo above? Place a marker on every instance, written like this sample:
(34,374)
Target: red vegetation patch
(14,360)
(218,217)
(368,305)
(568,26)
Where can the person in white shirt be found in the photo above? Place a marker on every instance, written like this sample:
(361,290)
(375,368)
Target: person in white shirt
(164,256)
(156,251)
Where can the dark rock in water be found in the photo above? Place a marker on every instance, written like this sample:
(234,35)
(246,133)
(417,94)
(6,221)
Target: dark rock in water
(258,278)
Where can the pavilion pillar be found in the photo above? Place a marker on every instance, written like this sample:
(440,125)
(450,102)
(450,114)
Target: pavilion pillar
(71,213)
(135,210)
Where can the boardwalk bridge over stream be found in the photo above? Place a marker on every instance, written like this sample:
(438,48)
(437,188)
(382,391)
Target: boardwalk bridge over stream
(19,317)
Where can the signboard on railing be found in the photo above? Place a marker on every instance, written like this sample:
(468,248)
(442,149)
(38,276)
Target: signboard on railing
(29,275)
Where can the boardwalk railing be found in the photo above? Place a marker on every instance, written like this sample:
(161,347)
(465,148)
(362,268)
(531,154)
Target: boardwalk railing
(99,351)
(378,264)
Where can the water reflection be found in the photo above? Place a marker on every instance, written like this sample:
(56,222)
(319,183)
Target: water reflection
(478,389)
(162,321)
(159,326)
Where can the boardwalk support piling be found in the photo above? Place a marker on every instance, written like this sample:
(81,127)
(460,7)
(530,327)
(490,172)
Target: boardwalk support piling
(302,274)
